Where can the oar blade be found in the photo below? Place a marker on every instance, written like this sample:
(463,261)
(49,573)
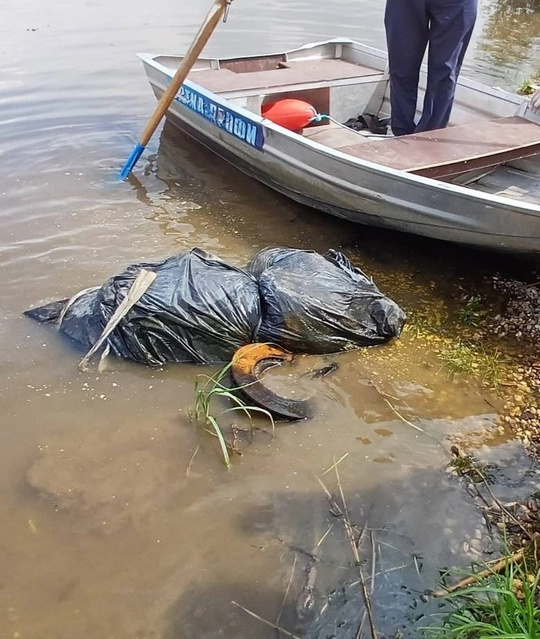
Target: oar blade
(131,161)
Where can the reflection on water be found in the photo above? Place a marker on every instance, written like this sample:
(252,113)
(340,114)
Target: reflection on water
(510,38)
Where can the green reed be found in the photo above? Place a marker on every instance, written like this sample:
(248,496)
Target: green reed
(209,389)
(502,605)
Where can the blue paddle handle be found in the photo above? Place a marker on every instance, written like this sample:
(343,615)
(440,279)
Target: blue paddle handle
(131,161)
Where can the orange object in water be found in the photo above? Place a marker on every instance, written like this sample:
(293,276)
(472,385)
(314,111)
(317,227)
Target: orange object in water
(289,113)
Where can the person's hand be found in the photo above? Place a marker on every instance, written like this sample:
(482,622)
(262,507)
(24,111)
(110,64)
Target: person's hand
(535,101)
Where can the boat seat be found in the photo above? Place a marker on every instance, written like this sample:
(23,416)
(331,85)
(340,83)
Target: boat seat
(455,150)
(309,72)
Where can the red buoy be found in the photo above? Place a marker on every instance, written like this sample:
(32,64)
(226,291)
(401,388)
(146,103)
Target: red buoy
(289,113)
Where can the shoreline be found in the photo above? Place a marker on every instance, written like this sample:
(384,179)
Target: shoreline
(519,320)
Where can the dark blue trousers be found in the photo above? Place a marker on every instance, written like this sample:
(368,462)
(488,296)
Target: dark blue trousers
(445,27)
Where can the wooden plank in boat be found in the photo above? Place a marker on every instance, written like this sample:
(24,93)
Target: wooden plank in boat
(454,150)
(306,72)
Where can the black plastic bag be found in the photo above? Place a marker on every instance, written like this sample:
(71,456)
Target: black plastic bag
(368,121)
(321,304)
(198,309)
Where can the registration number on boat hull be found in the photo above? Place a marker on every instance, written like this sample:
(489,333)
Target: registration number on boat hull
(241,128)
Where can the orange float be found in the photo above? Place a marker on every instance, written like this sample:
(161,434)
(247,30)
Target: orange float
(289,113)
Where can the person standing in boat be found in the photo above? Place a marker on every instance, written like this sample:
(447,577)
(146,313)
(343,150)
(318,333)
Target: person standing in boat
(444,27)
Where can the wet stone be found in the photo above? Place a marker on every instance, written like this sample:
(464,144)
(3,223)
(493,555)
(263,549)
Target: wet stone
(477,545)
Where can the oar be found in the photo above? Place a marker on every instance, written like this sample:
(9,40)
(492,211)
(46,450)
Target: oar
(215,14)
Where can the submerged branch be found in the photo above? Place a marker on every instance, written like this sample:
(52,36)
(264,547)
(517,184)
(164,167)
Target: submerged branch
(265,621)
(494,569)
(342,512)
(385,399)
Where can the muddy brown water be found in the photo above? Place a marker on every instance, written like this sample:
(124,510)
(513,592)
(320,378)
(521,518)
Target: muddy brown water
(105,533)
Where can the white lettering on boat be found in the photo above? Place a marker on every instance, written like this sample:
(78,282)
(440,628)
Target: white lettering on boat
(240,127)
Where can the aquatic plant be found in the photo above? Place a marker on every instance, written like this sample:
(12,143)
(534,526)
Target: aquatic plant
(416,328)
(497,604)
(427,319)
(208,389)
(466,465)
(472,313)
(477,360)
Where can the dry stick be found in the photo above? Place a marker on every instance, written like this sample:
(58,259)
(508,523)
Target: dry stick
(389,403)
(333,503)
(361,626)
(350,534)
(334,464)
(188,470)
(286,592)
(398,399)
(479,494)
(384,543)
(325,535)
(354,546)
(502,507)
(389,570)
(491,570)
(268,623)
(361,533)
(384,572)
(373,561)
(519,288)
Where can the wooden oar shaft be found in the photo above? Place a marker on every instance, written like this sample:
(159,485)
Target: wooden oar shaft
(212,19)
(215,14)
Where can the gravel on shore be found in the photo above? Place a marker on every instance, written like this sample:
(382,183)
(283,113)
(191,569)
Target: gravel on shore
(519,320)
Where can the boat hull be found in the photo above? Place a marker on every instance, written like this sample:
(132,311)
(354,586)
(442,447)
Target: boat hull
(361,192)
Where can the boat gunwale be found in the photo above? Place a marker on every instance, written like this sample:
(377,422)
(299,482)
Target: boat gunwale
(487,199)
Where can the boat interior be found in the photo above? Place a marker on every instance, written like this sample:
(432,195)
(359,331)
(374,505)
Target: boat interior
(492,143)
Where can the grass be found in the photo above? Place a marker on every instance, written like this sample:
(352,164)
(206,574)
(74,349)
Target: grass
(464,356)
(417,327)
(529,85)
(462,340)
(472,312)
(211,389)
(472,360)
(429,318)
(501,605)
